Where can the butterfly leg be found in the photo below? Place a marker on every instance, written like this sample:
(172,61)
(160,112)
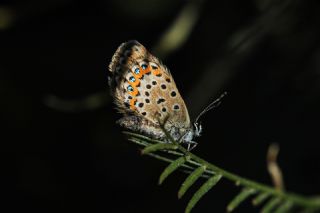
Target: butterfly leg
(181,139)
(191,145)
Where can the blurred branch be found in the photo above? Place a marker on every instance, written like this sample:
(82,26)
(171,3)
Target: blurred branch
(179,31)
(239,47)
(7,17)
(273,167)
(90,102)
(23,10)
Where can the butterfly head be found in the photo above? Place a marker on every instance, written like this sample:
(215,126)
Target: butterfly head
(193,132)
(186,134)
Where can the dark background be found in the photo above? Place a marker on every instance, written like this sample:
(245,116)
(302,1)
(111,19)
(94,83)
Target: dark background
(60,148)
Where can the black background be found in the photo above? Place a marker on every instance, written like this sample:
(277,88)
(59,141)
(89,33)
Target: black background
(60,159)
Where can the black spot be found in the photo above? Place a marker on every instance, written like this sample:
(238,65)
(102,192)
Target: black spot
(160,100)
(164,109)
(147,100)
(144,66)
(130,88)
(140,105)
(168,80)
(163,86)
(132,79)
(136,49)
(137,70)
(127,104)
(147,93)
(154,67)
(148,86)
(154,83)
(159,75)
(176,107)
(173,94)
(144,113)
(130,97)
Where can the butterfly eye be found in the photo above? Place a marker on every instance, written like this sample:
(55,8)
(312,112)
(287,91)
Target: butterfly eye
(144,66)
(137,71)
(132,79)
(130,88)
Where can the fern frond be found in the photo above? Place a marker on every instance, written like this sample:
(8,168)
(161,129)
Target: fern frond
(242,196)
(260,198)
(211,182)
(270,205)
(181,159)
(159,146)
(190,180)
(172,167)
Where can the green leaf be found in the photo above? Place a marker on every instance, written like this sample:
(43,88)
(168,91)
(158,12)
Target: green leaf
(285,207)
(172,167)
(244,194)
(202,191)
(190,180)
(260,198)
(139,141)
(269,206)
(157,147)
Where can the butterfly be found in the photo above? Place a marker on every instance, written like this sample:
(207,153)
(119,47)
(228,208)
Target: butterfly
(145,93)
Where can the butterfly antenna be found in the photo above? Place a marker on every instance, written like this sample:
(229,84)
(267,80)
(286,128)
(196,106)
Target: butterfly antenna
(212,105)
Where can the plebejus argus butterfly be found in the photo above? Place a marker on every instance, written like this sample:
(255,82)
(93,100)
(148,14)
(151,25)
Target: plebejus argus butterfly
(146,94)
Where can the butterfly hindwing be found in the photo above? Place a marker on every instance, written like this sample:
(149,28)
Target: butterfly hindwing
(142,86)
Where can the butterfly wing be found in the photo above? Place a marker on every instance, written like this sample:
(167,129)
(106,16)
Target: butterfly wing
(142,86)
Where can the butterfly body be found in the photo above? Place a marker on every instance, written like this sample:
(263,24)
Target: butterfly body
(145,93)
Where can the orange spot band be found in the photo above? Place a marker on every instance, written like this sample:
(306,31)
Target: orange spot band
(135,90)
(136,83)
(139,76)
(132,103)
(157,72)
(147,70)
